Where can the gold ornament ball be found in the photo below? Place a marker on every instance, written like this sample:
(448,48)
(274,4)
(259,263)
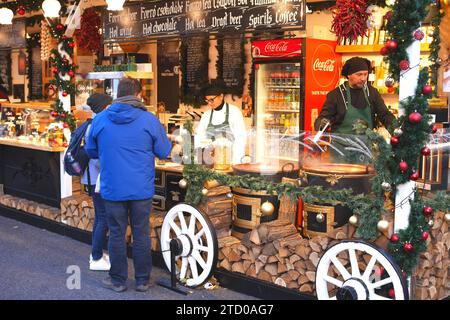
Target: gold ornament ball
(320,218)
(383,225)
(447,217)
(182,184)
(204,191)
(267,208)
(353,220)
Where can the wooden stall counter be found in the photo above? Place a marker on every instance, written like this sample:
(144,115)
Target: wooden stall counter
(20,143)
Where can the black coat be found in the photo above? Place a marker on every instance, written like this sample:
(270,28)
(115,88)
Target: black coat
(334,108)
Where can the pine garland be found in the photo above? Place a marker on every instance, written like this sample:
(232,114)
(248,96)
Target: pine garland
(435,47)
(405,19)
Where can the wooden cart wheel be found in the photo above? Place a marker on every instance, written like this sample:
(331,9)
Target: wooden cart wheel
(197,237)
(339,275)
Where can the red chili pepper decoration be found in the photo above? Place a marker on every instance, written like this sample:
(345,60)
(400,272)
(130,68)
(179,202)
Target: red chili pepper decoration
(350,19)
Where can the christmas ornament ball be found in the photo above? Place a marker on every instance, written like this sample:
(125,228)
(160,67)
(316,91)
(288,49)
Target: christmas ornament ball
(392,45)
(389,82)
(386,186)
(415,117)
(391,89)
(419,35)
(353,220)
(434,129)
(320,218)
(384,51)
(395,141)
(408,247)
(425,151)
(427,210)
(427,89)
(204,191)
(267,208)
(404,65)
(430,223)
(424,236)
(447,217)
(403,166)
(383,225)
(395,238)
(183,183)
(391,293)
(398,132)
(414,176)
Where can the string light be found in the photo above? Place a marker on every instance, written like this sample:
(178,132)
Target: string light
(51,8)
(115,5)
(6,16)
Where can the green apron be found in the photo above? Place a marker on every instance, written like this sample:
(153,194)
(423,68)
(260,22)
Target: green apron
(353,116)
(212,131)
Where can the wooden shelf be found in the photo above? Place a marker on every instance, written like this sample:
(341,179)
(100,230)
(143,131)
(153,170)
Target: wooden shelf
(28,105)
(374,48)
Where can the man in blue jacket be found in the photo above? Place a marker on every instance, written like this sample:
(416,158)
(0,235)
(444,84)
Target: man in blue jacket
(126,139)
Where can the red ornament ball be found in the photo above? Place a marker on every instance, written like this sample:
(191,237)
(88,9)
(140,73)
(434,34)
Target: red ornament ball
(414,176)
(427,89)
(384,51)
(72,45)
(388,15)
(434,129)
(59,26)
(21,10)
(415,117)
(55,70)
(395,238)
(404,65)
(419,35)
(65,144)
(424,236)
(427,211)
(408,247)
(71,73)
(65,94)
(54,114)
(425,151)
(403,166)
(65,125)
(391,89)
(391,293)
(392,45)
(395,141)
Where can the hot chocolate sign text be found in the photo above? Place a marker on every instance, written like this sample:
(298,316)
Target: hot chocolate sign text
(163,18)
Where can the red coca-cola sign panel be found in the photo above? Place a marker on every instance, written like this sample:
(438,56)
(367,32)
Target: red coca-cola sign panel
(285,48)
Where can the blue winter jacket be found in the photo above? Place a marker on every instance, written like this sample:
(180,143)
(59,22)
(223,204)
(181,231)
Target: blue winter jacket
(126,140)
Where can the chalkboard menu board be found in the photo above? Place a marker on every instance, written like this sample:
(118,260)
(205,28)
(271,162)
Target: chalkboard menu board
(232,64)
(13,35)
(36,73)
(195,64)
(163,18)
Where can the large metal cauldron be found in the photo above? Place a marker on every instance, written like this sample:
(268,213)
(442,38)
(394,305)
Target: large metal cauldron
(321,218)
(271,172)
(247,213)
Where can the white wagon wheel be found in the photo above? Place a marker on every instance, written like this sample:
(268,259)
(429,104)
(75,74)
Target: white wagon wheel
(197,239)
(338,274)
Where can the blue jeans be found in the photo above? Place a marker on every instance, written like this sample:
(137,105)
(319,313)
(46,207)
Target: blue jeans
(138,212)
(100,228)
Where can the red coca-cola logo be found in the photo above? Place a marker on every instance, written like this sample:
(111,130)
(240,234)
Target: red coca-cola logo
(324,66)
(276,47)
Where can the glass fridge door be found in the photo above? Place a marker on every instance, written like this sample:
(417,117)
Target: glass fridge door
(277,98)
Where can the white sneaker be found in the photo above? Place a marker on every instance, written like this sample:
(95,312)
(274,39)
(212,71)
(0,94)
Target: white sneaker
(99,265)
(106,257)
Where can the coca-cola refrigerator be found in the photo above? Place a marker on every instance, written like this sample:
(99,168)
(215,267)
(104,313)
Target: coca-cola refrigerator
(291,80)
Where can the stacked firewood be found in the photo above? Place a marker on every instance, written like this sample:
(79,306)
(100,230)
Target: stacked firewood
(31,207)
(156,221)
(78,211)
(432,276)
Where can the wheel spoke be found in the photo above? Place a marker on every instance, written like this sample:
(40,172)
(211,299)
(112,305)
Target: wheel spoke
(202,248)
(184,265)
(193,265)
(200,234)
(192,221)
(381,283)
(184,227)
(174,227)
(199,259)
(369,268)
(336,282)
(354,263)
(340,268)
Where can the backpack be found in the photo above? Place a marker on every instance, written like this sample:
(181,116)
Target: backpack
(76,160)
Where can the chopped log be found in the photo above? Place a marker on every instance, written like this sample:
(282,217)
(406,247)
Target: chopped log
(315,246)
(281,268)
(283,252)
(263,258)
(281,232)
(289,265)
(288,210)
(237,267)
(300,266)
(256,251)
(306,288)
(234,256)
(432,292)
(227,241)
(314,258)
(302,280)
(247,257)
(254,237)
(258,266)
(272,259)
(294,274)
(303,251)
(292,285)
(280,282)
(311,275)
(251,271)
(271,268)
(264,275)
(263,231)
(421,293)
(225,264)
(246,264)
(294,258)
(292,241)
(269,249)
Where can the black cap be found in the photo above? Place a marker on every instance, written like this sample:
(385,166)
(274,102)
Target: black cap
(98,102)
(355,64)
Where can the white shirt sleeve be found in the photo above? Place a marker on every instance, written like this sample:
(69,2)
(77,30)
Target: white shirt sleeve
(200,134)
(239,131)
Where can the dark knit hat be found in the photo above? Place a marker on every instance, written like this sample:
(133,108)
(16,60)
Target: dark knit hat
(215,88)
(98,102)
(355,64)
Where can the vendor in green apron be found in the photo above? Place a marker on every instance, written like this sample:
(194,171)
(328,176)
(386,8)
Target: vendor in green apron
(221,120)
(354,106)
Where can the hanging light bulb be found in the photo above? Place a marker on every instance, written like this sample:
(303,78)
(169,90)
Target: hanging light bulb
(115,5)
(6,16)
(51,8)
